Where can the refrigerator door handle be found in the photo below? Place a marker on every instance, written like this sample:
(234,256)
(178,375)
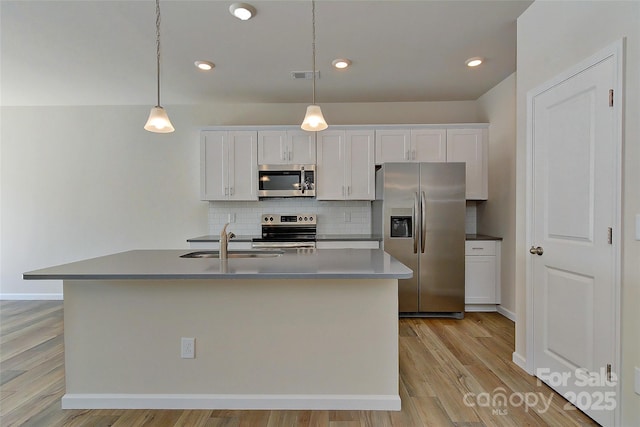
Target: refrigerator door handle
(415,222)
(423,227)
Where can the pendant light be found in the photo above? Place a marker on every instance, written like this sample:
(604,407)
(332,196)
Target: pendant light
(314,120)
(158,120)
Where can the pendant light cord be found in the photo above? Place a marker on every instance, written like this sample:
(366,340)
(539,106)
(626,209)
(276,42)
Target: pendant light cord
(158,47)
(313,46)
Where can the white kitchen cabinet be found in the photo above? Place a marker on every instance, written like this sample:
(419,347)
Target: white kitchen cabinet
(228,165)
(345,168)
(347,244)
(411,145)
(482,275)
(471,147)
(282,147)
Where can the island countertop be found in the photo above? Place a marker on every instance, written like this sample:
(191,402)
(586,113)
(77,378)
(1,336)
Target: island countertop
(167,264)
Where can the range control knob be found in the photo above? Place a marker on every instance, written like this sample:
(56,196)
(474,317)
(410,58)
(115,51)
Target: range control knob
(306,219)
(299,218)
(270,218)
(266,219)
(310,218)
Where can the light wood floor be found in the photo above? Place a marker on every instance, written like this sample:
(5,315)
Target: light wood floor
(441,362)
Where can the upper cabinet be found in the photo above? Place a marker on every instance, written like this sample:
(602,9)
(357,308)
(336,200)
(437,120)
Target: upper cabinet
(471,147)
(346,166)
(228,165)
(456,144)
(411,145)
(281,147)
(345,156)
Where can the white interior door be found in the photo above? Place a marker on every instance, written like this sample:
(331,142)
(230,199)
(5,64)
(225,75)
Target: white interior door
(574,226)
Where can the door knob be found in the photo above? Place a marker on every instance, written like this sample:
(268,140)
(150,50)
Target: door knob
(536,250)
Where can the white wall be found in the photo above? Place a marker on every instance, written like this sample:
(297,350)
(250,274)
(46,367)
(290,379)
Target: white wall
(552,37)
(79,182)
(497,216)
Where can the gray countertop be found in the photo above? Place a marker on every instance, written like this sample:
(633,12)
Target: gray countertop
(331,238)
(319,237)
(216,238)
(167,264)
(481,237)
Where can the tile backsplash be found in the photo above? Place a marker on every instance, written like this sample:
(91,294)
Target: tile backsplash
(470,225)
(334,217)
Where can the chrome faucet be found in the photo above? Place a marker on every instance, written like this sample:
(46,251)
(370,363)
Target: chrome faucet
(224,241)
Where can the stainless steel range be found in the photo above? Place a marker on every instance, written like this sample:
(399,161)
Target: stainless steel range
(287,231)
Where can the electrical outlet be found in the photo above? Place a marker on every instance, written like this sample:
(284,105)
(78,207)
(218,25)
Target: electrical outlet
(231,217)
(347,217)
(188,348)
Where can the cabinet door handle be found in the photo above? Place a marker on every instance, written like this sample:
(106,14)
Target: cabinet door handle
(231,191)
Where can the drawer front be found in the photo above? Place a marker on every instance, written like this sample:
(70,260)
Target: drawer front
(480,247)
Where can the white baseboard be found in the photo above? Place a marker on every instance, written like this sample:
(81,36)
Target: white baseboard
(519,360)
(484,308)
(231,401)
(31,297)
(506,313)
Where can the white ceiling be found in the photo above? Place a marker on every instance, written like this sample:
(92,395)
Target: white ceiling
(103,52)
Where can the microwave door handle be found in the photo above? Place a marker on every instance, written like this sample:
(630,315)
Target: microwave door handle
(415,222)
(423,212)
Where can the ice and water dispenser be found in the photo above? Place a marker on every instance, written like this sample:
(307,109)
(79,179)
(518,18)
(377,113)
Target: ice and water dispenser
(401,223)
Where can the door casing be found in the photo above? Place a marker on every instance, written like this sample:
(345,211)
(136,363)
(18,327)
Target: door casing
(615,50)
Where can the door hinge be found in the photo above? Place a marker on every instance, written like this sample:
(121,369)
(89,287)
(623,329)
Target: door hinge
(610,235)
(610,97)
(609,372)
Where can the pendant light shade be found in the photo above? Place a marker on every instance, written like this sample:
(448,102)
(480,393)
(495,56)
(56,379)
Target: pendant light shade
(158,121)
(314,120)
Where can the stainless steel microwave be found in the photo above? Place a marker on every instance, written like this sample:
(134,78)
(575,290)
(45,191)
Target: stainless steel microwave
(286,180)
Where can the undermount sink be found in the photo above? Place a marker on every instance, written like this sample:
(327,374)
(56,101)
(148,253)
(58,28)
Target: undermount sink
(234,254)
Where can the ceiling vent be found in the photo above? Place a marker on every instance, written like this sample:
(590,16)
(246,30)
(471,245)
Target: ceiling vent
(304,75)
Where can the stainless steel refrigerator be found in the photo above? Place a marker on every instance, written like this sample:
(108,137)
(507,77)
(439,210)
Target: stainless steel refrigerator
(420,212)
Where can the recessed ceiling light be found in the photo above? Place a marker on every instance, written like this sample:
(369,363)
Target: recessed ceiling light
(204,65)
(242,11)
(474,62)
(341,63)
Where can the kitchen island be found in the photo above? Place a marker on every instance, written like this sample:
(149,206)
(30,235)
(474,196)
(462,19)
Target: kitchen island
(299,330)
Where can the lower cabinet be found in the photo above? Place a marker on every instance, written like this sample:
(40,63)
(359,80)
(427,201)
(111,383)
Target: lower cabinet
(350,244)
(482,275)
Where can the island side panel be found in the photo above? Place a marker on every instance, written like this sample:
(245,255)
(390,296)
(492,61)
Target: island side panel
(295,338)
